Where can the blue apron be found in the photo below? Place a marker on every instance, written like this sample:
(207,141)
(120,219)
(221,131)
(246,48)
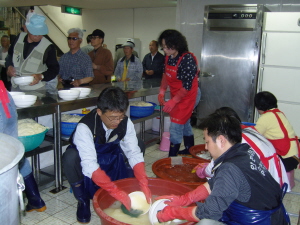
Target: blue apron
(242,215)
(112,160)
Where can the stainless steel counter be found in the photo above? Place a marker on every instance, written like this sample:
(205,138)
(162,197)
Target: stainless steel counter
(49,103)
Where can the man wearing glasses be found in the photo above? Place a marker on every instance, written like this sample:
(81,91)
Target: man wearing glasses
(103,65)
(104,148)
(75,66)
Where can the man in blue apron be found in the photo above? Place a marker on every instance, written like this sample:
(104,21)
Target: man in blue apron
(104,148)
(242,191)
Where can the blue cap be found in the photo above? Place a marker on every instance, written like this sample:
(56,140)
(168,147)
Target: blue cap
(37,25)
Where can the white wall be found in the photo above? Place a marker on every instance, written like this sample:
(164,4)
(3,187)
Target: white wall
(143,23)
(64,21)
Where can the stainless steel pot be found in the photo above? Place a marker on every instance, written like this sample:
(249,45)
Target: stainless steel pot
(12,151)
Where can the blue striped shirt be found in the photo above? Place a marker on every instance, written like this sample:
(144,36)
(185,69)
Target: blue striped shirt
(76,66)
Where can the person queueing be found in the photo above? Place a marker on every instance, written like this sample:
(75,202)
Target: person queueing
(32,54)
(9,126)
(104,149)
(263,148)
(242,191)
(274,125)
(180,76)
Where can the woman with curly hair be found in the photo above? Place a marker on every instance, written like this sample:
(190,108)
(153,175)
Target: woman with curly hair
(180,76)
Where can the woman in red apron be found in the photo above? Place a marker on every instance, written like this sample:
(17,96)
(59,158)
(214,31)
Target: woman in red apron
(277,129)
(181,77)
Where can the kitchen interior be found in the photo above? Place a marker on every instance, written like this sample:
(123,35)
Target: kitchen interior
(238,57)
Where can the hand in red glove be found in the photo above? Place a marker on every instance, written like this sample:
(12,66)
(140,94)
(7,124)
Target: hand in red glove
(169,105)
(161,99)
(140,174)
(200,170)
(199,194)
(177,212)
(162,90)
(102,180)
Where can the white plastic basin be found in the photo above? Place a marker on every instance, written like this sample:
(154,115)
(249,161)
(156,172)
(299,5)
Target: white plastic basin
(14,93)
(23,101)
(68,94)
(22,81)
(84,91)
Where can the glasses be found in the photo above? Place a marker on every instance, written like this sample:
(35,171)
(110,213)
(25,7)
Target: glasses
(114,118)
(73,38)
(94,37)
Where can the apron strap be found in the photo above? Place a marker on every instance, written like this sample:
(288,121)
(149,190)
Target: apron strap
(4,99)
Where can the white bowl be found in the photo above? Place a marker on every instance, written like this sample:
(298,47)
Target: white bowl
(23,101)
(84,91)
(14,93)
(68,94)
(157,206)
(139,202)
(22,81)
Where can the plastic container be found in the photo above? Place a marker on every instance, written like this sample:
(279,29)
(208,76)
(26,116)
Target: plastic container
(181,174)
(198,149)
(165,142)
(142,111)
(67,128)
(158,187)
(156,123)
(32,141)
(12,151)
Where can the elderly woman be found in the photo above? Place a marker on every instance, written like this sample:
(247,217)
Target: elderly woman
(181,77)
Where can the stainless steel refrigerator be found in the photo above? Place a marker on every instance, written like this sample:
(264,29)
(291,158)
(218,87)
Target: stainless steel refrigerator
(230,59)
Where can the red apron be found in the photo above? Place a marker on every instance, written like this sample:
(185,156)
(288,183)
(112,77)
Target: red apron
(263,159)
(4,99)
(182,112)
(282,145)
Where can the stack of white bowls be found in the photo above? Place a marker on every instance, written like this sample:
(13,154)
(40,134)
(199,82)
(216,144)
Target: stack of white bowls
(84,91)
(68,95)
(22,100)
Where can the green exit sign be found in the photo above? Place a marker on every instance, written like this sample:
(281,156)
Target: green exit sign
(71,10)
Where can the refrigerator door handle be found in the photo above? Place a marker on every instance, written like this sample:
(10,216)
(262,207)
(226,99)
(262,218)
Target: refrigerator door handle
(206,74)
(260,80)
(263,49)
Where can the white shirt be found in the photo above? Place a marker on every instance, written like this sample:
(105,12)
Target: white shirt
(84,140)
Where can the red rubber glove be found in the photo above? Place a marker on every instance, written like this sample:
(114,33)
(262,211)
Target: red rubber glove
(199,194)
(200,170)
(102,180)
(140,174)
(177,212)
(162,90)
(169,105)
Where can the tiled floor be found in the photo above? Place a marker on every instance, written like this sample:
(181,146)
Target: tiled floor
(61,207)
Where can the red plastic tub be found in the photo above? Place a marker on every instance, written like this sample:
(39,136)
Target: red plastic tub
(181,174)
(198,149)
(103,200)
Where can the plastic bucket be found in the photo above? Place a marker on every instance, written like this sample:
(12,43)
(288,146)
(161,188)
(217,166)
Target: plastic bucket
(103,200)
(198,149)
(12,151)
(165,142)
(156,123)
(181,174)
